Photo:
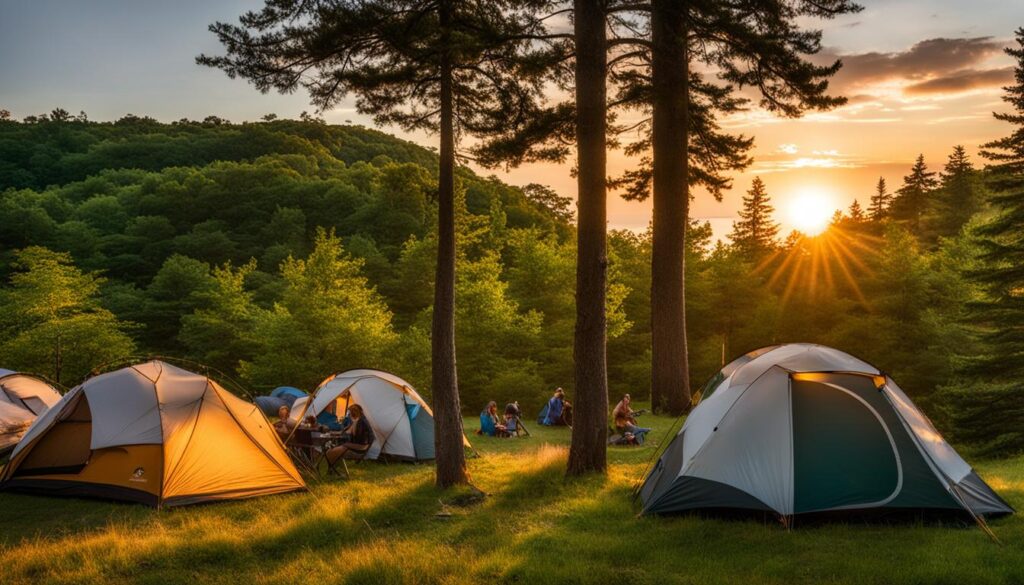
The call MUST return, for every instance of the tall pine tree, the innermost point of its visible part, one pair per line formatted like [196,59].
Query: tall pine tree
[756,233]
[856,212]
[912,199]
[960,195]
[748,44]
[578,63]
[880,202]
[449,67]
[991,413]
[588,451]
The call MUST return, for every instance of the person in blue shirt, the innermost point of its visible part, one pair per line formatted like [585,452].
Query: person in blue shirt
[557,407]
[489,422]
[511,424]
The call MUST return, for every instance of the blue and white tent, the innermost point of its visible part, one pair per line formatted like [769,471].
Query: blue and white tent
[402,422]
[281,396]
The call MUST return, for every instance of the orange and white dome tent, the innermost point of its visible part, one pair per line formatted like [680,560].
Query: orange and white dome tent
[152,433]
[23,397]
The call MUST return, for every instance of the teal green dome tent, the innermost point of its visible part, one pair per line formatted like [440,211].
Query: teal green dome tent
[800,429]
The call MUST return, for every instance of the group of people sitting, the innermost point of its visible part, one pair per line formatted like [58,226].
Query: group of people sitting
[355,433]
[494,426]
[558,412]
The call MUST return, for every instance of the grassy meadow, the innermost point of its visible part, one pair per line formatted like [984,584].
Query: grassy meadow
[388,524]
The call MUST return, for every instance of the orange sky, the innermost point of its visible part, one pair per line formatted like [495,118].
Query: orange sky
[924,97]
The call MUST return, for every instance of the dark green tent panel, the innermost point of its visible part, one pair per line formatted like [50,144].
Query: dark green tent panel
[842,454]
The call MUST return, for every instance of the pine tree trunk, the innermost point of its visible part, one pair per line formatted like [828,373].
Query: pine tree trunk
[590,419]
[670,370]
[448,435]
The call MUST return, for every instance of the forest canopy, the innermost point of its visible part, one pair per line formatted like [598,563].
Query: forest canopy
[281,251]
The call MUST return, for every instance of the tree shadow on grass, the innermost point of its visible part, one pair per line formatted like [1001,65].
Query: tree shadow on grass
[534,526]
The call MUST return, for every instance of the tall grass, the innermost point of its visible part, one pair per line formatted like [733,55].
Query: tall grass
[388,524]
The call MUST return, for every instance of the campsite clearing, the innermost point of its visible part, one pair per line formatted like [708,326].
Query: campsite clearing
[388,524]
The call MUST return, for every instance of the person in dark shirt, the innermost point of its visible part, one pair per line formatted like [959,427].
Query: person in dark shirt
[360,436]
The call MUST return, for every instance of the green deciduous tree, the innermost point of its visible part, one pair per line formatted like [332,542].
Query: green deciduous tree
[450,67]
[329,319]
[173,292]
[51,319]
[221,331]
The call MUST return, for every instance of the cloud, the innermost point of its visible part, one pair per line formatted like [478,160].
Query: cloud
[940,65]
[788,148]
[783,160]
[960,81]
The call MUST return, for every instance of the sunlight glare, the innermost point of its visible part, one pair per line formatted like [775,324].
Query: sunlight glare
[810,212]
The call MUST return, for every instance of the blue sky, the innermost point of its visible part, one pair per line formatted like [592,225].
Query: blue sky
[112,57]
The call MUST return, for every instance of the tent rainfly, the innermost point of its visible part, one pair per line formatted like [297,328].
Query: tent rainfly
[281,396]
[23,397]
[152,433]
[800,429]
[401,421]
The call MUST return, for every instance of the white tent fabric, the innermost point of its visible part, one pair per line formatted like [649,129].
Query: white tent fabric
[762,468]
[942,454]
[28,392]
[22,398]
[13,423]
[390,404]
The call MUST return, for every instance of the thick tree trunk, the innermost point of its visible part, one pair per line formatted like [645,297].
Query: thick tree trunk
[670,370]
[448,442]
[590,417]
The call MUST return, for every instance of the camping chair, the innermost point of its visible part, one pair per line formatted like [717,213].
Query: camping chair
[304,451]
[356,455]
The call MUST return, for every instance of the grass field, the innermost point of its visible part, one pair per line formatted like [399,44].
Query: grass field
[388,524]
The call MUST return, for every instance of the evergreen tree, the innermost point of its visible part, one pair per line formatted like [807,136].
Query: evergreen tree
[756,233]
[912,199]
[51,321]
[992,414]
[960,196]
[856,212]
[446,66]
[760,45]
[880,202]
[588,451]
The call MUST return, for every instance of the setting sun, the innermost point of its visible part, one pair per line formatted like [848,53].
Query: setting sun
[810,212]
